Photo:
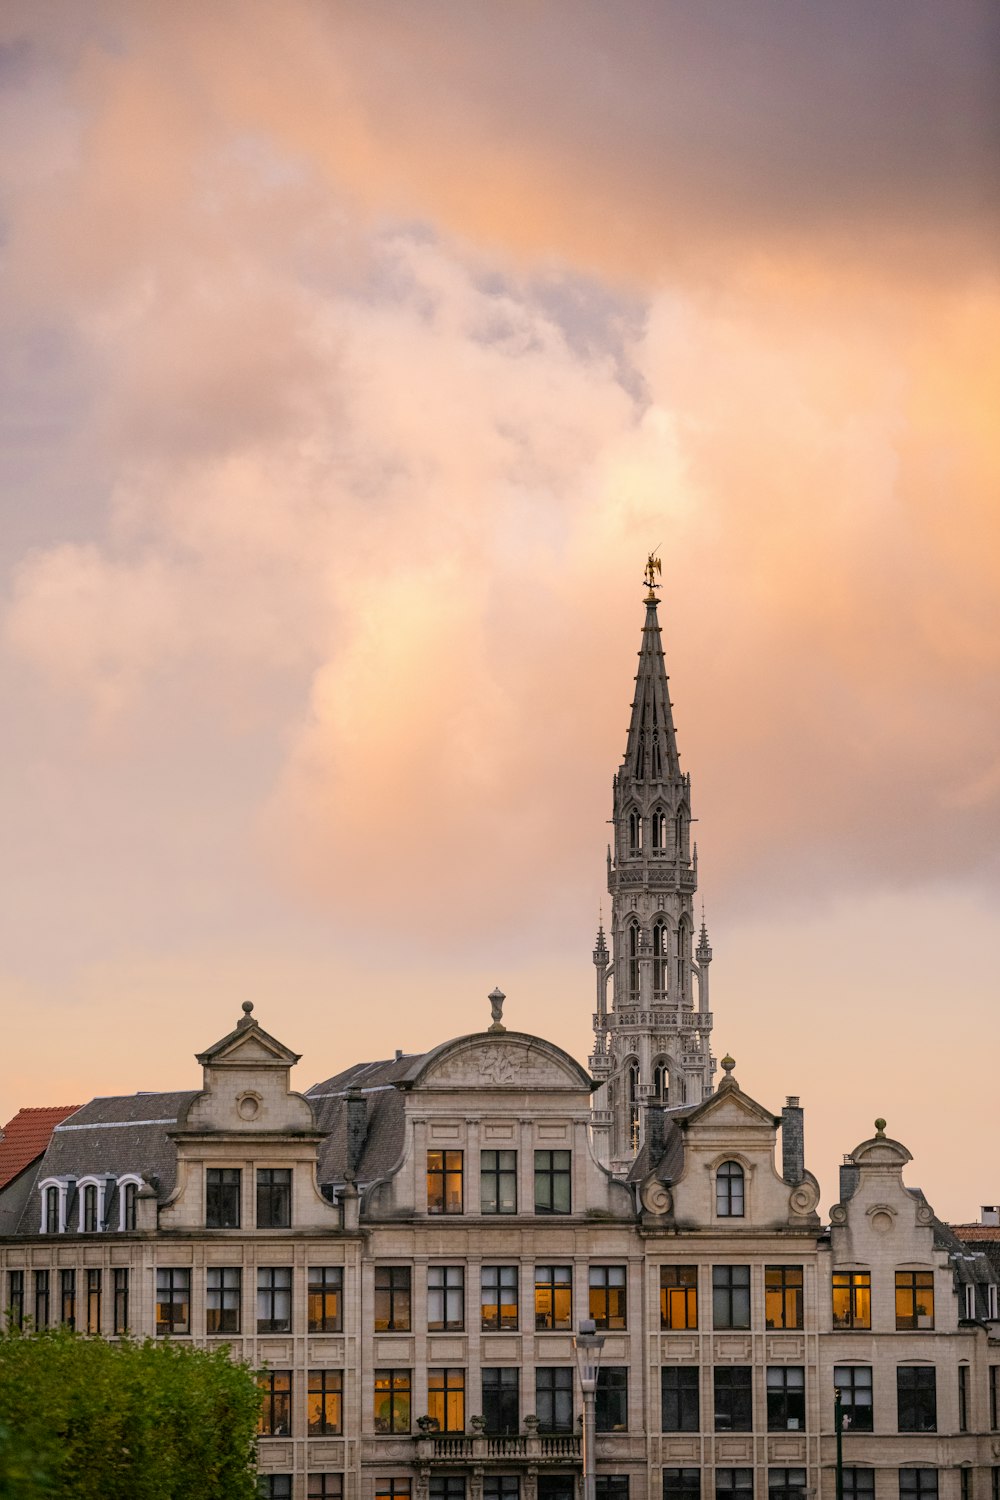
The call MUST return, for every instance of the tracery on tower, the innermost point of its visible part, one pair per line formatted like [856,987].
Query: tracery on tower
[652,1024]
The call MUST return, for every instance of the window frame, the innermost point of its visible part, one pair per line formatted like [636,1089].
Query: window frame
[274,1198]
[446,1390]
[396,1385]
[497,1182]
[730,1189]
[607,1296]
[680,1398]
[853,1388]
[677,1291]
[914,1392]
[398,1294]
[554,1286]
[324,1390]
[120,1292]
[500,1322]
[911,1287]
[732,1398]
[173,1290]
[732,1296]
[223,1197]
[501,1388]
[274,1289]
[277,1400]
[553,1383]
[446,1285]
[785,1390]
[611,1399]
[551,1178]
[784,1294]
[855,1288]
[224,1300]
[445,1169]
[323,1283]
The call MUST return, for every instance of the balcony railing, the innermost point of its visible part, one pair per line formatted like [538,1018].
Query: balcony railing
[529,1447]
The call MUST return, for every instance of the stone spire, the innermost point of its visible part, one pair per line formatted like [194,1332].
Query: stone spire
[652,1040]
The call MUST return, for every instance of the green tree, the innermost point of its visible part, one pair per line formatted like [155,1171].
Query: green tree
[84,1419]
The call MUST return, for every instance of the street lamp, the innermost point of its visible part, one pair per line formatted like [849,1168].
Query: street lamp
[588,1344]
[838,1427]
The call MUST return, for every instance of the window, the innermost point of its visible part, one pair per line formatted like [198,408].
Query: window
[499,1298]
[553,1194]
[786,1397]
[914,1299]
[611,1403]
[994,1395]
[501,1399]
[963,1398]
[611,1486]
[274,1486]
[173,1300]
[501,1487]
[128,1205]
[392,1489]
[729,1190]
[786,1484]
[554,1398]
[446,1399]
[852,1299]
[854,1382]
[734,1484]
[222,1197]
[392,1299]
[67,1298]
[635,831]
[992,1302]
[120,1274]
[274,1299]
[680,1409]
[223,1296]
[445,1299]
[965,1477]
[326,1289]
[556,1487]
[916,1398]
[678,1296]
[553,1297]
[392,1401]
[276,1409]
[50,1205]
[633,961]
[859,1483]
[41,1299]
[274,1197]
[658,830]
[498,1182]
[682,1484]
[733,1398]
[995,1471]
[325,1403]
[447,1487]
[325,1487]
[661,967]
[918,1484]
[15,1298]
[88,1216]
[731,1296]
[93,1276]
[783,1296]
[608,1296]
[444,1182]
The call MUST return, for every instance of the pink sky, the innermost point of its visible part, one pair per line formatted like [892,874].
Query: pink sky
[355,357]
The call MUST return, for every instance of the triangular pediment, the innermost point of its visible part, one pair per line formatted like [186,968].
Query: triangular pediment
[730,1106]
[249,1046]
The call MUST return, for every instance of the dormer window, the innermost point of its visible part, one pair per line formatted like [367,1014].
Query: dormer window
[88,1213]
[129,1196]
[50,1211]
[729,1190]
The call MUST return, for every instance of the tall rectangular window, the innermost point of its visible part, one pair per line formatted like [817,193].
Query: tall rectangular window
[852,1299]
[914,1299]
[679,1297]
[173,1300]
[120,1274]
[859,1482]
[734,1484]
[553,1297]
[916,1398]
[783,1296]
[501,1487]
[680,1406]
[223,1297]
[611,1486]
[325,1487]
[274,1197]
[326,1290]
[682,1484]
[445,1299]
[501,1399]
[274,1487]
[729,1195]
[67,1298]
[854,1382]
[608,1296]
[392,1489]
[611,1401]
[276,1409]
[918,1484]
[786,1397]
[731,1296]
[446,1487]
[128,1205]
[994,1397]
[274,1299]
[222,1197]
[15,1298]
[733,1398]
[392,1299]
[963,1398]
[89,1225]
[499,1298]
[392,1400]
[553,1182]
[326,1403]
[786,1484]
[554,1398]
[446,1399]
[444,1182]
[93,1299]
[498,1182]
[42,1312]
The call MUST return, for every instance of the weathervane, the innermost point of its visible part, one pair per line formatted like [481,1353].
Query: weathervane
[653,567]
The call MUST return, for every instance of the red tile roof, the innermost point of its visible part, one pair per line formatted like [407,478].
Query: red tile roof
[26,1136]
[973,1232]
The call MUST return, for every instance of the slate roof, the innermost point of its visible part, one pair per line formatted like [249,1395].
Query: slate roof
[984,1239]
[376,1081]
[25,1137]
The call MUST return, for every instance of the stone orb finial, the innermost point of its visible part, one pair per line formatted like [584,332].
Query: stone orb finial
[728,1064]
[880,1126]
[245,1019]
[496,999]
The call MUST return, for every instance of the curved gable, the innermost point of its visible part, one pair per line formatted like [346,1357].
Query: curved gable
[506,1060]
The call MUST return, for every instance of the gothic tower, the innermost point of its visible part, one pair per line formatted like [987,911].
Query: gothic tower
[652,1041]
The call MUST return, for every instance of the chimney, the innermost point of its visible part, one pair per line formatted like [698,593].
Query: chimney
[357,1130]
[793,1161]
[990,1214]
[656,1131]
[850,1176]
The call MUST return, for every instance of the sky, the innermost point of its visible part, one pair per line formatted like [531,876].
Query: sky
[355,355]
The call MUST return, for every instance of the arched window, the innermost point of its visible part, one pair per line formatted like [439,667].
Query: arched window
[729,1190]
[661,961]
[658,831]
[633,960]
[635,831]
[633,1105]
[88,1221]
[51,1225]
[661,1082]
[681,957]
[679,833]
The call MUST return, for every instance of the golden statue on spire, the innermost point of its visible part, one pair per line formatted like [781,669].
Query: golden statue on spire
[653,567]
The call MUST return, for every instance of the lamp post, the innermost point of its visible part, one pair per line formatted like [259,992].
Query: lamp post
[588,1344]
[838,1425]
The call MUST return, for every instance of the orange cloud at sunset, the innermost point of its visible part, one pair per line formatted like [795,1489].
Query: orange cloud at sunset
[357,360]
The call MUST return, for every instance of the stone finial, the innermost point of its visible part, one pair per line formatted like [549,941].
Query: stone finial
[728,1064]
[880,1126]
[247,1017]
[496,999]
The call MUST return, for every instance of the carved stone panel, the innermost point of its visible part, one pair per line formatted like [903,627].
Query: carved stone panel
[785,1348]
[733,1346]
[678,1347]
